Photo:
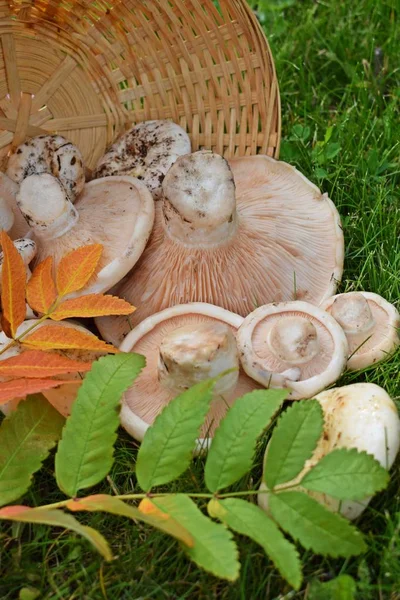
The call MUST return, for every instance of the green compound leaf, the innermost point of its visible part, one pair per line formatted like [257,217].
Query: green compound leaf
[347,474]
[26,438]
[293,442]
[168,445]
[232,449]
[214,549]
[247,519]
[315,527]
[86,451]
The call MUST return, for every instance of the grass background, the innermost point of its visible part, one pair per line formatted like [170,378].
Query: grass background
[338,68]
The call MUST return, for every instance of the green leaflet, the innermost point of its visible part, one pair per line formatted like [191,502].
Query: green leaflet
[293,442]
[347,474]
[57,518]
[232,449]
[214,549]
[85,452]
[26,438]
[314,526]
[247,519]
[341,588]
[114,506]
[168,445]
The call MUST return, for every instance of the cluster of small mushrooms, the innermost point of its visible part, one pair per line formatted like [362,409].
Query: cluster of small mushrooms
[231,265]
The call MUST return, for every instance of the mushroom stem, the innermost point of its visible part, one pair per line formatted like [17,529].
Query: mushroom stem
[353,314]
[193,353]
[199,204]
[294,340]
[43,202]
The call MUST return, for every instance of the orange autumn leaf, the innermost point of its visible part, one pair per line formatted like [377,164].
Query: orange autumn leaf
[5,326]
[40,290]
[13,282]
[76,268]
[147,507]
[92,305]
[19,388]
[55,337]
[34,363]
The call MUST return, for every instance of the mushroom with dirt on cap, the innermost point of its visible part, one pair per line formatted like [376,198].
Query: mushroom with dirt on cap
[52,154]
[361,416]
[276,238]
[147,151]
[371,325]
[117,212]
[293,345]
[183,345]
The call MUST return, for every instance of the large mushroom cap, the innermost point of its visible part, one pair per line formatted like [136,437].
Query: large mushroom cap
[14,222]
[117,212]
[183,345]
[294,345]
[63,397]
[371,325]
[279,240]
[146,151]
[361,416]
[51,154]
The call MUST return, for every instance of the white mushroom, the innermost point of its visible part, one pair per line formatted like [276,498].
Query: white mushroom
[361,416]
[371,325]
[275,238]
[294,345]
[63,397]
[27,249]
[183,345]
[51,154]
[146,151]
[12,219]
[117,212]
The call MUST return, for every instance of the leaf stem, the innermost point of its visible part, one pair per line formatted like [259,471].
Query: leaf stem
[16,340]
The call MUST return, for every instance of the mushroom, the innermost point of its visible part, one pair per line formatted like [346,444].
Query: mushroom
[361,416]
[11,217]
[51,154]
[117,212]
[146,151]
[278,239]
[183,345]
[293,345]
[27,249]
[371,325]
[64,396]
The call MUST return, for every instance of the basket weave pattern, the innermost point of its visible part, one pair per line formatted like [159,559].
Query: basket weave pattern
[89,70]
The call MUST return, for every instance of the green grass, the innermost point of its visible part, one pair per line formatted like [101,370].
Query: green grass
[330,77]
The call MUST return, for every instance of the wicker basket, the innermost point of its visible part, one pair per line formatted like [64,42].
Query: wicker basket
[88,70]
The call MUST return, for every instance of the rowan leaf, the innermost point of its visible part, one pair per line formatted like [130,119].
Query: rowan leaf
[214,548]
[247,519]
[19,388]
[92,305]
[168,445]
[57,337]
[342,587]
[145,513]
[232,449]
[26,438]
[77,267]
[346,474]
[35,363]
[85,453]
[57,518]
[13,283]
[293,441]
[40,290]
[314,526]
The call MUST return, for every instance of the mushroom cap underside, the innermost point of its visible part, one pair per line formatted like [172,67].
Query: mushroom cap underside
[9,191]
[117,212]
[288,245]
[146,398]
